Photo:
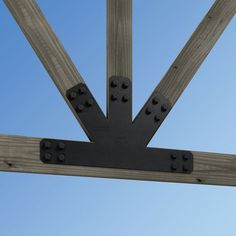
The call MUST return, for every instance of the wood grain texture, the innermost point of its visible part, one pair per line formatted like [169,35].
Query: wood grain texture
[197,48]
[21,154]
[45,43]
[119,38]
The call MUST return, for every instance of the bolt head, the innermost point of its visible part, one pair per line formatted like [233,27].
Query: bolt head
[173,156]
[61,146]
[72,95]
[114,83]
[155,101]
[164,108]
[125,84]
[82,90]
[125,98]
[114,97]
[185,168]
[174,166]
[148,110]
[157,118]
[47,156]
[185,157]
[79,108]
[90,102]
[61,157]
[47,144]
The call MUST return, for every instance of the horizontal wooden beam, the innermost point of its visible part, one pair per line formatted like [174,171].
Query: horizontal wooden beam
[21,154]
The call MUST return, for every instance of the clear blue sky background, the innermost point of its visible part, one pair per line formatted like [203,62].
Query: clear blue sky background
[203,119]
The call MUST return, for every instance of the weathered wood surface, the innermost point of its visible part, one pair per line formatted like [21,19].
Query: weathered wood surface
[119,38]
[197,48]
[21,154]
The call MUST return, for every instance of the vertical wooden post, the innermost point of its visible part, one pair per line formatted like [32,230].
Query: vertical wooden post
[119,40]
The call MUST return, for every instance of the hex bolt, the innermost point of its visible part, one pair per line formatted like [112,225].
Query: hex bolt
[47,144]
[157,118]
[125,98]
[185,168]
[174,166]
[90,102]
[79,108]
[47,156]
[164,108]
[185,157]
[155,101]
[114,83]
[173,156]
[72,95]
[61,157]
[82,90]
[61,146]
[125,84]
[148,110]
[114,97]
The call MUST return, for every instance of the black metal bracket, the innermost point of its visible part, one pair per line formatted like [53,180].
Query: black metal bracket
[117,141]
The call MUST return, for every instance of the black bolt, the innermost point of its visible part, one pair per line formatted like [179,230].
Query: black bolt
[155,100]
[82,90]
[164,108]
[90,102]
[72,95]
[47,156]
[157,118]
[185,157]
[114,97]
[185,168]
[61,146]
[61,157]
[125,98]
[80,108]
[114,83]
[173,156]
[148,110]
[174,166]
[47,144]
[125,84]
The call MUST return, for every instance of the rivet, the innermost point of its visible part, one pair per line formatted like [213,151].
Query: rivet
[72,95]
[164,108]
[125,98]
[79,108]
[90,102]
[61,146]
[157,118]
[61,157]
[114,97]
[174,166]
[47,144]
[82,90]
[155,100]
[47,156]
[148,110]
[125,84]
[114,83]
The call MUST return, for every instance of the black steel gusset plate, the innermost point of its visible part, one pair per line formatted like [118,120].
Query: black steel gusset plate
[63,152]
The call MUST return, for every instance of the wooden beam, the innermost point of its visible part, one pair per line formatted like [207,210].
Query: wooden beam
[21,154]
[48,48]
[196,50]
[119,38]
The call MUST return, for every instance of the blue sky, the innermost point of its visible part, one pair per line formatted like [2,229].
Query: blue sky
[203,119]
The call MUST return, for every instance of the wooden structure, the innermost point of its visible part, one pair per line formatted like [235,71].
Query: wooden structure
[22,154]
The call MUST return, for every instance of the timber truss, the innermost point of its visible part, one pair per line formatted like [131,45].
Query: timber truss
[118,144]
